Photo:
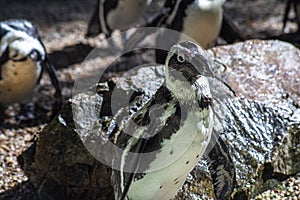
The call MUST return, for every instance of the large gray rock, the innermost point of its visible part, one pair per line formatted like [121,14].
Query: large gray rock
[261,127]
[264,140]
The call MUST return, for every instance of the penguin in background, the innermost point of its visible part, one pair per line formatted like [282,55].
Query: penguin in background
[156,152]
[23,59]
[295,4]
[110,15]
[201,20]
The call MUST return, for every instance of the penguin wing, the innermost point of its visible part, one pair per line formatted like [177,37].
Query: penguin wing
[221,168]
[132,142]
[46,64]
[95,26]
[126,164]
[286,13]
[139,137]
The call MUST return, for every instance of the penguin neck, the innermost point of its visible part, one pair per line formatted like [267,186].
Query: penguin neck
[180,89]
[192,94]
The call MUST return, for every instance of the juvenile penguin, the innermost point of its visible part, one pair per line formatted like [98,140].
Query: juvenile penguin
[162,144]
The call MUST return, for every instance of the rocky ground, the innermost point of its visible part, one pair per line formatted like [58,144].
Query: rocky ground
[64,24]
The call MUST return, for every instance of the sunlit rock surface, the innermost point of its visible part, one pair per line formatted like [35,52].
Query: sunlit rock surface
[260,126]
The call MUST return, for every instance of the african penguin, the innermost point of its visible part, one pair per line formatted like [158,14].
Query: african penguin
[22,60]
[163,141]
[110,15]
[201,20]
[296,6]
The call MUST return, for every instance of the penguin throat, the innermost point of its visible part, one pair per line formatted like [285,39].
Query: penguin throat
[180,89]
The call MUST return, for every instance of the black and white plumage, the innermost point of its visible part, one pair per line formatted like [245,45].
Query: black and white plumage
[22,60]
[163,141]
[295,4]
[200,20]
[221,168]
[110,15]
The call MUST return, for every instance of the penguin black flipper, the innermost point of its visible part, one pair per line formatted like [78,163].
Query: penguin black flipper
[122,178]
[286,13]
[139,120]
[98,21]
[94,27]
[136,160]
[230,32]
[221,168]
[46,64]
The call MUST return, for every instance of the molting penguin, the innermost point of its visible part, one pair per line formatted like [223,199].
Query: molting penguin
[110,15]
[163,141]
[22,60]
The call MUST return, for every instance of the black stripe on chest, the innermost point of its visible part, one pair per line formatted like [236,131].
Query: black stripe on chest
[163,103]
[170,125]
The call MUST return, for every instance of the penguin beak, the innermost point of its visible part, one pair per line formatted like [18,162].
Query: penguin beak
[201,87]
[202,65]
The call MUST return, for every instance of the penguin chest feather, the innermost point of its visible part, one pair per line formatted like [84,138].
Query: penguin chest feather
[126,14]
[18,80]
[178,155]
[203,25]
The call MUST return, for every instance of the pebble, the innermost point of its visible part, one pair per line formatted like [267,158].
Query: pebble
[12,144]
[287,190]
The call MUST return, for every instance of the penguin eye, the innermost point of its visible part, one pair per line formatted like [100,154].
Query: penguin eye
[180,57]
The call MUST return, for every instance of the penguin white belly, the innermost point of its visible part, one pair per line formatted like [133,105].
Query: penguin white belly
[19,81]
[126,14]
[176,159]
[203,25]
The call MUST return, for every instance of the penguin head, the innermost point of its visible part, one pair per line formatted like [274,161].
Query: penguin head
[18,44]
[190,60]
[22,49]
[187,68]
